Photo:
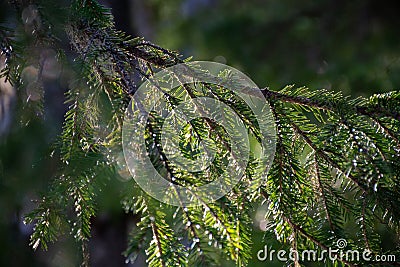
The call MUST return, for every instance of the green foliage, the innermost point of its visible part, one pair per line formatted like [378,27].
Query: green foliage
[336,167]
[347,46]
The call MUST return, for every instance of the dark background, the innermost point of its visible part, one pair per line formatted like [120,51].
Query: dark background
[348,46]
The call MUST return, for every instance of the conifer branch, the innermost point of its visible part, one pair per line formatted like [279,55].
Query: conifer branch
[323,194]
[357,138]
[372,111]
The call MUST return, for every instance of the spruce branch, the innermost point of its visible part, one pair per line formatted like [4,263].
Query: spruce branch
[351,148]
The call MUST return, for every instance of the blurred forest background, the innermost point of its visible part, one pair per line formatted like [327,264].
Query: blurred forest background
[348,46]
